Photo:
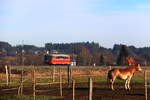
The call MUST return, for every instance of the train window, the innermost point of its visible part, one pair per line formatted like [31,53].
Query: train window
[61,57]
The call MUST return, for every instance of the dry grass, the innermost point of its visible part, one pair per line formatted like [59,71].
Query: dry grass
[46,71]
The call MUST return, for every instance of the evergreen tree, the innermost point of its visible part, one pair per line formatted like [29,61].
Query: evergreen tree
[124,53]
[79,60]
[101,60]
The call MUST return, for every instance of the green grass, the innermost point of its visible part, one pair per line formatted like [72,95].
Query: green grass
[29,97]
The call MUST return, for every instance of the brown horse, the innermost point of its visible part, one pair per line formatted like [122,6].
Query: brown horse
[124,74]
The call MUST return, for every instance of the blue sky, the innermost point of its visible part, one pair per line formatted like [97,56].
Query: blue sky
[107,22]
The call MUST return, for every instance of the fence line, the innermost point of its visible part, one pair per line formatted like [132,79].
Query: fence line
[34,83]
[8,71]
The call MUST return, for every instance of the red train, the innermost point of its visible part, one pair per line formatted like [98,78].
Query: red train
[57,59]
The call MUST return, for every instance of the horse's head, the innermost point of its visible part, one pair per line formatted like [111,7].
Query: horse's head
[138,67]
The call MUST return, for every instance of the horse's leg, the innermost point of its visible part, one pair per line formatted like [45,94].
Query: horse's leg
[112,83]
[129,83]
[126,83]
[109,82]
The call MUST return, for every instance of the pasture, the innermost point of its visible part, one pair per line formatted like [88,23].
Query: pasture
[48,84]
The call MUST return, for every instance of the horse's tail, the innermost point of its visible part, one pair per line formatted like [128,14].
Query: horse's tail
[109,77]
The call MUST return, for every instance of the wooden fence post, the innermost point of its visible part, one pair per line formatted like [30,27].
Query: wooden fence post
[6,70]
[60,83]
[9,75]
[69,70]
[21,85]
[33,77]
[145,77]
[90,88]
[73,89]
[53,73]
[20,89]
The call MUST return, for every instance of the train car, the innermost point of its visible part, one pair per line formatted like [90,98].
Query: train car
[57,59]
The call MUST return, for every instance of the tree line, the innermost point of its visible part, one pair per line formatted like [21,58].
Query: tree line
[84,53]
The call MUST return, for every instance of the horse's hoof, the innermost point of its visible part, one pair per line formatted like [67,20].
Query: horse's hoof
[128,89]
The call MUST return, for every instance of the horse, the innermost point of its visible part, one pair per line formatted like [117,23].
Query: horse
[123,74]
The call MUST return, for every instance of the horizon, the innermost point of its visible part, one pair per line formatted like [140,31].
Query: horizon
[73,42]
[106,22]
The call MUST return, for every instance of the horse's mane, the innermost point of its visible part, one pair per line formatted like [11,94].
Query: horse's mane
[132,62]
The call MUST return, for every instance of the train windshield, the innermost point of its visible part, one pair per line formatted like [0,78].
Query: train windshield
[62,57]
